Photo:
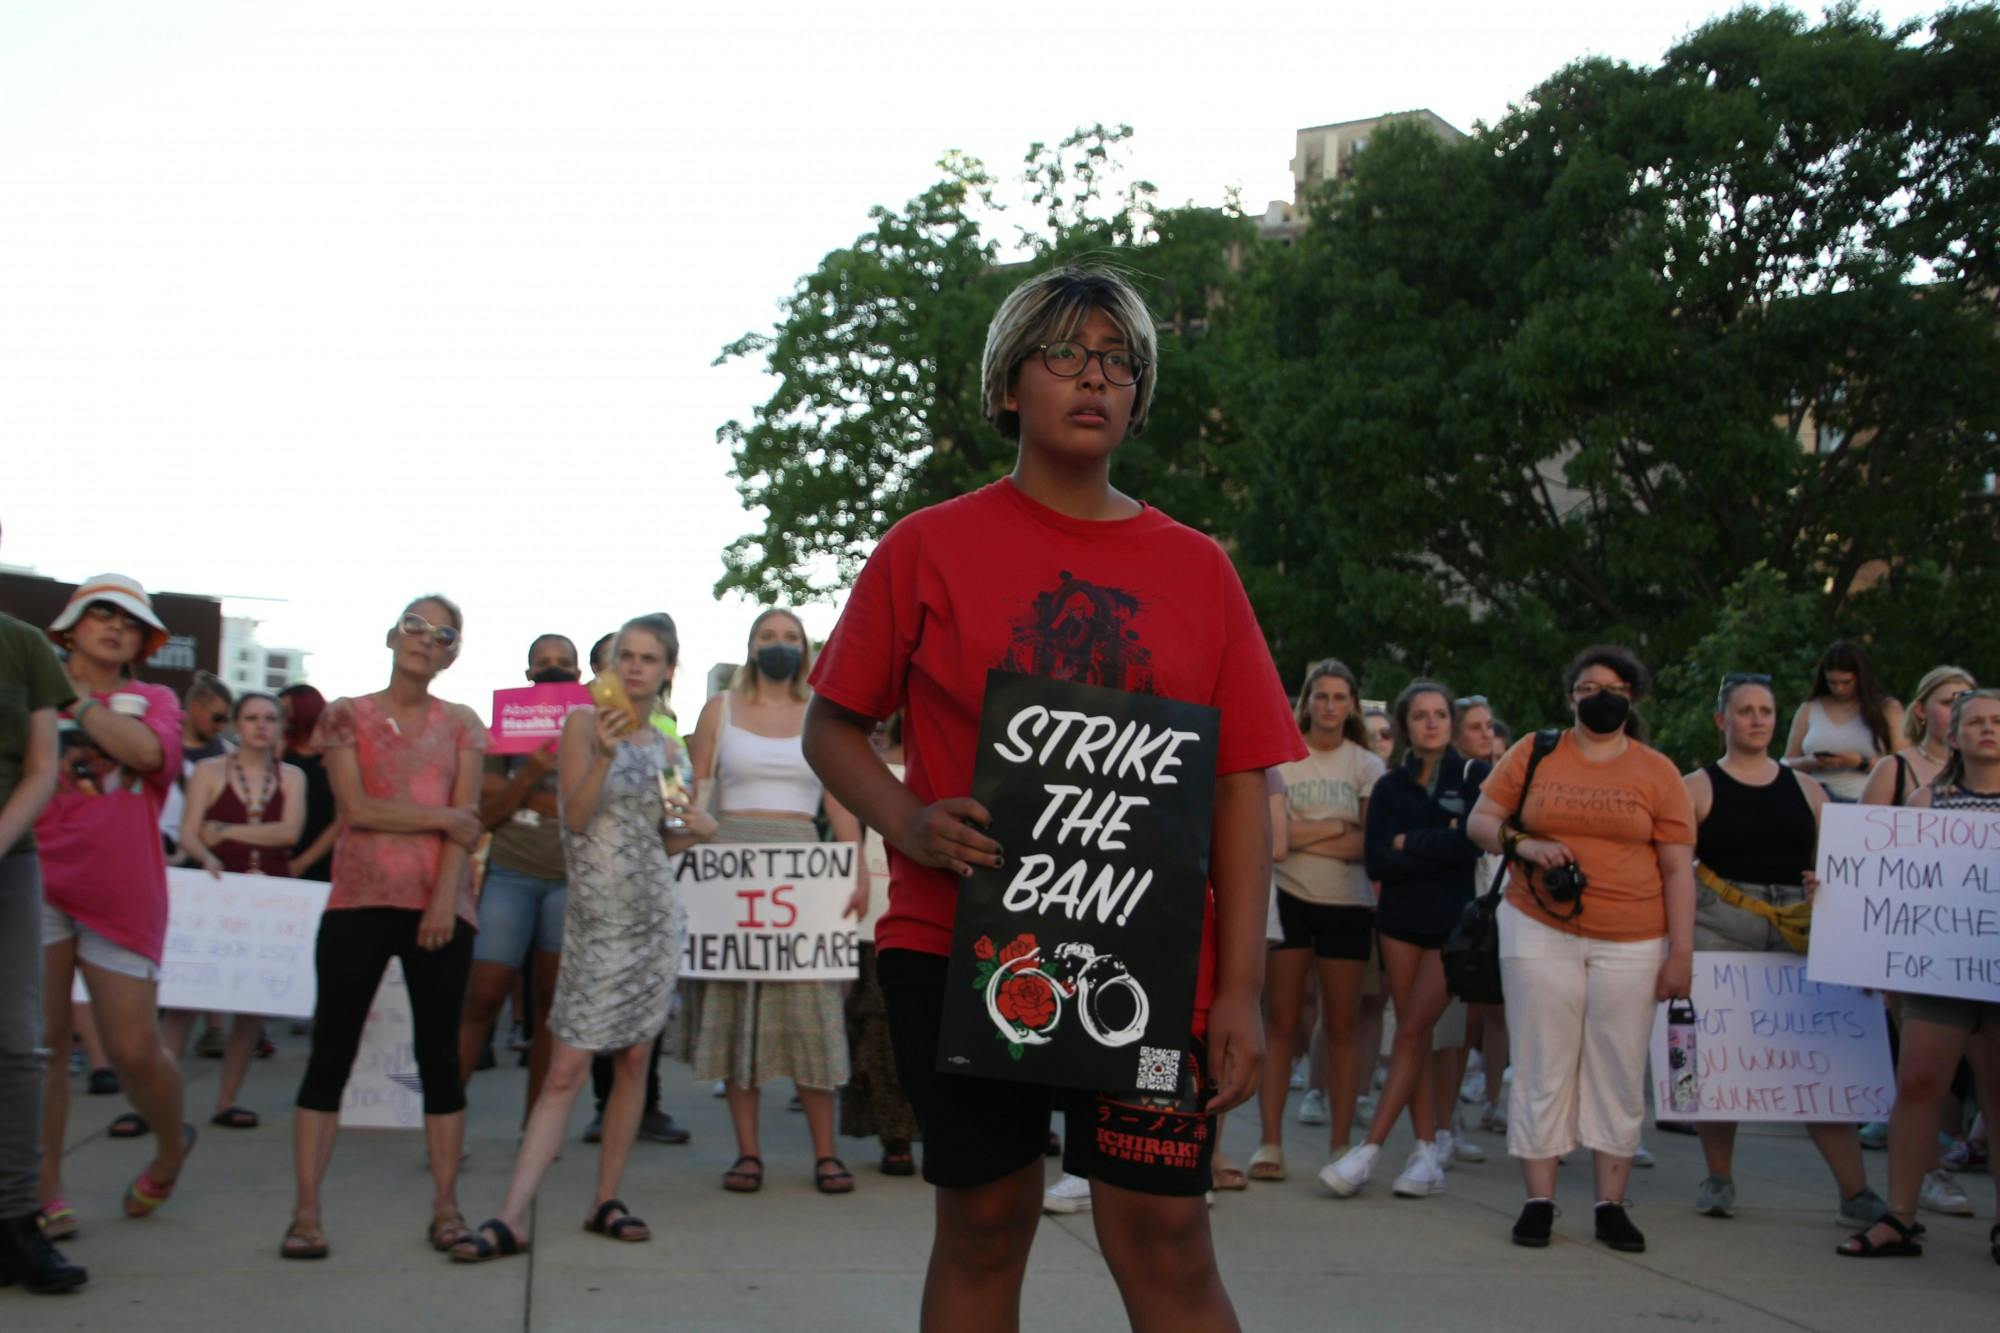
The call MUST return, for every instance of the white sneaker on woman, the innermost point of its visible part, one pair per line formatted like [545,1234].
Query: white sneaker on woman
[1422,1176]
[1941,1194]
[1312,1108]
[1351,1171]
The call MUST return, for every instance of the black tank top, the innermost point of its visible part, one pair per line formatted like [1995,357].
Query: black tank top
[1757,835]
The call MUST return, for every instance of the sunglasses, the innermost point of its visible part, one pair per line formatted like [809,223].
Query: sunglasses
[105,612]
[414,625]
[1736,678]
[1470,701]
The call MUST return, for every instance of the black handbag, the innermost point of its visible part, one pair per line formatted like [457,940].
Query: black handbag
[1471,955]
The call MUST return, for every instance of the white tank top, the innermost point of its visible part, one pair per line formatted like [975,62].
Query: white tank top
[764,773]
[1825,736]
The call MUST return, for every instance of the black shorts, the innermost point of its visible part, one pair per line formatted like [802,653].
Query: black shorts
[1331,931]
[979,1130]
[1422,939]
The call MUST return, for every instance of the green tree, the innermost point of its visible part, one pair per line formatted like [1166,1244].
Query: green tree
[1551,384]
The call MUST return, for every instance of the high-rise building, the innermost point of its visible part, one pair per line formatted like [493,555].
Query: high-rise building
[249,665]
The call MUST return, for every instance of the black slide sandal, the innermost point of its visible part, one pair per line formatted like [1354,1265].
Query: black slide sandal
[476,1249]
[603,1224]
[1903,1247]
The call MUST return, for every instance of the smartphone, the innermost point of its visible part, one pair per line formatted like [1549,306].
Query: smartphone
[607,691]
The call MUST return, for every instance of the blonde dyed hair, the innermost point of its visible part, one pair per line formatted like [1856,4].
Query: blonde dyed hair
[1051,307]
[747,676]
[1914,725]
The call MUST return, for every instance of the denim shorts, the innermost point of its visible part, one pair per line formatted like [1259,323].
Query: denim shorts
[93,948]
[517,914]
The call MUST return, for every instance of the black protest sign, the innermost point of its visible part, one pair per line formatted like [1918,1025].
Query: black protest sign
[1074,963]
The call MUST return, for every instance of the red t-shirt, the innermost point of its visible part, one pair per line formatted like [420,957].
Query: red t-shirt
[996,580]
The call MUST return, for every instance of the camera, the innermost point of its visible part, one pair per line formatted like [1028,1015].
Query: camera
[1564,883]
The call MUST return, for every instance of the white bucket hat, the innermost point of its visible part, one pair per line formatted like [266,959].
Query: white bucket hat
[120,591]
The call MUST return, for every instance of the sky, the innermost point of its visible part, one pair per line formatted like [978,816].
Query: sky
[322,307]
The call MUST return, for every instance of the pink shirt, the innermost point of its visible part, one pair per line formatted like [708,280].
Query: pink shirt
[375,869]
[99,837]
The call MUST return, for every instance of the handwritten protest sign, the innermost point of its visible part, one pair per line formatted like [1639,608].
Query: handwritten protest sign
[769,913]
[241,944]
[1773,1044]
[526,719]
[1909,900]
[383,1090]
[1074,963]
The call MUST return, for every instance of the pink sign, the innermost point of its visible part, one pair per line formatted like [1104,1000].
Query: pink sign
[526,719]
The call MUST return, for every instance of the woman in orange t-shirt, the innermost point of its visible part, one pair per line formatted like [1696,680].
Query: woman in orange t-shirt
[1597,926]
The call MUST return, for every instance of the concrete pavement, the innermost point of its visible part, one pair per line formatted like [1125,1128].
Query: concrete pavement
[789,1258]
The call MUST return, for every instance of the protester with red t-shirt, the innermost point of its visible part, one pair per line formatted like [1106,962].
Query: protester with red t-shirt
[1051,572]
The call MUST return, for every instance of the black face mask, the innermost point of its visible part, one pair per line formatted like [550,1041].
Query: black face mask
[554,676]
[778,660]
[1604,712]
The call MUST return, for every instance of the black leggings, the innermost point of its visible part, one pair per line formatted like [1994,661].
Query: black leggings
[354,948]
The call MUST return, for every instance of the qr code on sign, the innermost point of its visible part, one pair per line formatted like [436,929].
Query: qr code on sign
[1159,1070]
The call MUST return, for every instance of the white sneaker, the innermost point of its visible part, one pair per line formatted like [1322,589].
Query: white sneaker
[1463,1149]
[1443,1148]
[1473,1089]
[1071,1194]
[1941,1194]
[1642,1159]
[1312,1108]
[1351,1171]
[1422,1176]
[1298,1074]
[1364,1111]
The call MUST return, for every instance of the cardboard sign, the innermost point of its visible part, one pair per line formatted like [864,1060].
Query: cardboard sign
[1772,1044]
[383,1090]
[526,719]
[768,912]
[241,944]
[1074,963]
[1909,900]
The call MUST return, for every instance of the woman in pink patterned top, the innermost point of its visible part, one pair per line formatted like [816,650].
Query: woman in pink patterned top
[405,772]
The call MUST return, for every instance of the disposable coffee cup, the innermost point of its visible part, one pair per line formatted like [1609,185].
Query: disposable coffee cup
[130,705]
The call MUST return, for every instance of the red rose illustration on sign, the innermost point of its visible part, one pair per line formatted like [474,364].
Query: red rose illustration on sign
[982,948]
[1028,1001]
[1022,946]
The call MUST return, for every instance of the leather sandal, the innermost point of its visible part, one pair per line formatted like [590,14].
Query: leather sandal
[837,1181]
[476,1249]
[739,1181]
[621,1227]
[235,1117]
[1859,1246]
[1226,1175]
[131,1125]
[447,1230]
[303,1240]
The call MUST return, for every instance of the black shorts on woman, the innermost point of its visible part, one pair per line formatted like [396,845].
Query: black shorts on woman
[979,1130]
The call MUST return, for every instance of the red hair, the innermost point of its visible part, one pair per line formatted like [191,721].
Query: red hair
[307,704]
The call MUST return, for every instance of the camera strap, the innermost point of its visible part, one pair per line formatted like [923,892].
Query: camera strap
[1545,744]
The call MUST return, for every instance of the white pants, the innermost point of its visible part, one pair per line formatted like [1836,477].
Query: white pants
[1579,1017]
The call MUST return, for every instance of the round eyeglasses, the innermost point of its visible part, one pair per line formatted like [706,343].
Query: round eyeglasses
[1070,359]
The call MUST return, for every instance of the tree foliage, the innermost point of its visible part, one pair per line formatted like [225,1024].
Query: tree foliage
[1699,357]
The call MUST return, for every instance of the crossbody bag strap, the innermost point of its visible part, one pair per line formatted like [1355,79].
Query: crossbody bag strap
[1545,743]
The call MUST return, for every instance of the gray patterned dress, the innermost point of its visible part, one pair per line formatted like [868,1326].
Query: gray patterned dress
[624,924]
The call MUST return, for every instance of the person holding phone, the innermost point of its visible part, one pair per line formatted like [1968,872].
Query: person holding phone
[405,769]
[624,924]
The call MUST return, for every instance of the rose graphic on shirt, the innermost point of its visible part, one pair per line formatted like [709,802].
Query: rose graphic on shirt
[1082,631]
